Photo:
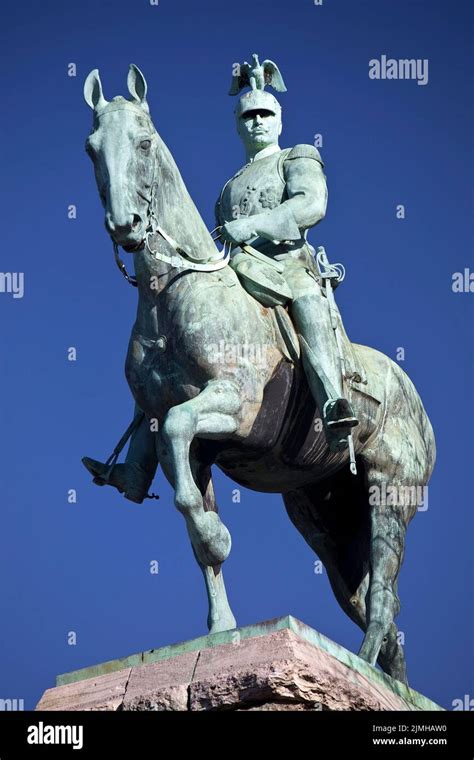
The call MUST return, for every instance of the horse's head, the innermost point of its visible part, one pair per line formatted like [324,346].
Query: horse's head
[122,147]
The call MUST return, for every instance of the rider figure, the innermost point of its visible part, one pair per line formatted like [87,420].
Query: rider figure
[269,204]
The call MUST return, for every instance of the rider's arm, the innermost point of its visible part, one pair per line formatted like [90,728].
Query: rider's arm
[305,186]
[307,198]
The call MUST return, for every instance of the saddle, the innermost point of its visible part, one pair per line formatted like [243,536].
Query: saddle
[262,278]
[352,367]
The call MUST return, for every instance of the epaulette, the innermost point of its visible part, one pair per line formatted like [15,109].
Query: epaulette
[305,151]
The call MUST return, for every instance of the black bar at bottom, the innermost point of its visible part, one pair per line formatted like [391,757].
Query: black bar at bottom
[221,733]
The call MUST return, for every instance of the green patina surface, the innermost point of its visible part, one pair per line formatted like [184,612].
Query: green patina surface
[413,698]
[340,406]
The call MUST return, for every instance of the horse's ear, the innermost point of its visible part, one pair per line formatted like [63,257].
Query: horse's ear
[137,85]
[93,94]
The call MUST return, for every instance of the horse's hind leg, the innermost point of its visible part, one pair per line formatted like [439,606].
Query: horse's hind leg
[349,582]
[392,657]
[388,523]
[398,463]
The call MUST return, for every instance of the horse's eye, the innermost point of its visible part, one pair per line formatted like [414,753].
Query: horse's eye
[145,144]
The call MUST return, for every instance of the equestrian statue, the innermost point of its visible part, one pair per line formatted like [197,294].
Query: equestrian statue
[239,358]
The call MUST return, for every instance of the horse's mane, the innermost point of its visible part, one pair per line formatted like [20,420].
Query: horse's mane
[175,209]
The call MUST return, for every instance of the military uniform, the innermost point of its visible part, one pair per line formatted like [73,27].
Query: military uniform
[284,193]
[279,189]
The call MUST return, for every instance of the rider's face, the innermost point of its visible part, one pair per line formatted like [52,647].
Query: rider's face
[259,128]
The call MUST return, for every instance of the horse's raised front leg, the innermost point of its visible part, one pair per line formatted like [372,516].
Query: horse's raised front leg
[212,414]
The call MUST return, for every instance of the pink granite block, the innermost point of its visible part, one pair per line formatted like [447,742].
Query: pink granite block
[281,671]
[101,693]
[161,685]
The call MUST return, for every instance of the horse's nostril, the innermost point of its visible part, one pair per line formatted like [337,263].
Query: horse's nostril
[136,221]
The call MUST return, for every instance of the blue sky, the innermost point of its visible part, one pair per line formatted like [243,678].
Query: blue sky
[84,567]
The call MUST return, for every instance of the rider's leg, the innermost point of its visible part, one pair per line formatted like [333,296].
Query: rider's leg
[133,478]
[142,449]
[310,314]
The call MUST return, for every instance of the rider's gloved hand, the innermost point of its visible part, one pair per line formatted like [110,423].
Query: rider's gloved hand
[238,230]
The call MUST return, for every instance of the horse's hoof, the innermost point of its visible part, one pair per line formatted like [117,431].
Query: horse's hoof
[212,541]
[227,623]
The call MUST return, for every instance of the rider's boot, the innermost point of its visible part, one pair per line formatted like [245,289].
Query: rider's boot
[133,478]
[129,478]
[322,367]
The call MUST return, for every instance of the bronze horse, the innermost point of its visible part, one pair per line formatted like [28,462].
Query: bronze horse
[254,419]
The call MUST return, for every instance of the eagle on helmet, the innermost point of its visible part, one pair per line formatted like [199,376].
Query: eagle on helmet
[257,76]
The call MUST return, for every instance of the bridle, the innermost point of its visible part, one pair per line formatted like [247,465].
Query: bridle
[182,259]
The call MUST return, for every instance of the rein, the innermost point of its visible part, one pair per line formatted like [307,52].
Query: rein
[182,259]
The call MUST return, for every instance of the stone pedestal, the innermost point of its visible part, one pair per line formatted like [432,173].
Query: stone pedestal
[281,664]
